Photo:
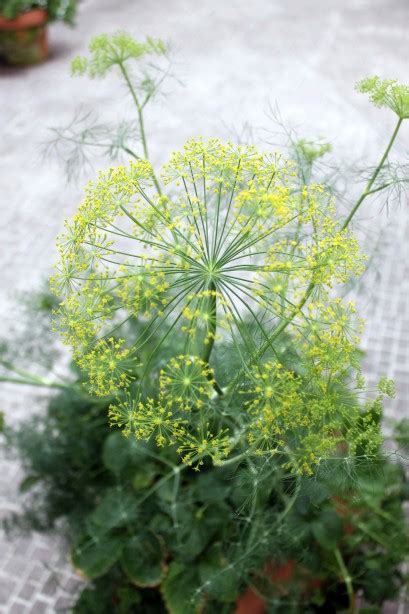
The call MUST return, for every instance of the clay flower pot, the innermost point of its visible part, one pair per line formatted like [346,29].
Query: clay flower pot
[281,575]
[23,40]
[250,603]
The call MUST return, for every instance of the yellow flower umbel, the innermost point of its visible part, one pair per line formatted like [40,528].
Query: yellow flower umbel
[387,93]
[233,255]
[109,366]
[188,380]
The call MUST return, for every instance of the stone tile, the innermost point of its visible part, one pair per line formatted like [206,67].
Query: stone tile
[37,571]
[27,591]
[64,604]
[42,554]
[51,586]
[7,587]
[18,608]
[40,607]
[17,565]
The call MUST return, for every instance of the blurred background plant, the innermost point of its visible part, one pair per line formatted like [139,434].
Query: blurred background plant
[23,28]
[63,10]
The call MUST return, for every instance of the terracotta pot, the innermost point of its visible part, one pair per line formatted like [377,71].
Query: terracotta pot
[250,603]
[23,40]
[280,574]
[283,573]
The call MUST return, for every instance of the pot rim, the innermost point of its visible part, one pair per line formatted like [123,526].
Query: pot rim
[31,19]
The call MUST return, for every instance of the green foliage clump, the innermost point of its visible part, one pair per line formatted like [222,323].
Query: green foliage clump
[154,536]
[63,10]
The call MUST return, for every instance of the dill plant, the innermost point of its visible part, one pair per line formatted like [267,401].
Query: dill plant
[226,255]
[143,68]
[201,305]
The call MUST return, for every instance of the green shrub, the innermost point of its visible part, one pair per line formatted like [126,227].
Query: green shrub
[150,539]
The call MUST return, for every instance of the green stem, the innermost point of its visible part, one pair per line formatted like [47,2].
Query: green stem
[233,459]
[34,382]
[347,579]
[367,190]
[139,109]
[212,333]
[212,323]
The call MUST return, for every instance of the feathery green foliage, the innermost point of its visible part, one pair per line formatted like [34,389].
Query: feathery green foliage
[133,63]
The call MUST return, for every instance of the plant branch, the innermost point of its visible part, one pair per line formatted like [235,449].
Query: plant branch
[347,579]
[34,381]
[367,191]
[139,108]
[212,333]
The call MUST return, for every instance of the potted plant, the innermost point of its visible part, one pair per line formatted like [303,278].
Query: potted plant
[246,449]
[23,28]
[344,538]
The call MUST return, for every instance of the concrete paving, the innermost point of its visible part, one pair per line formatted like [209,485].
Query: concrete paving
[233,59]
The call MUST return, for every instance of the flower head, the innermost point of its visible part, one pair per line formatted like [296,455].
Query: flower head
[231,239]
[387,93]
[188,380]
[109,365]
[233,253]
[107,51]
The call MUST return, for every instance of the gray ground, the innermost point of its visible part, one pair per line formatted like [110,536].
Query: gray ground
[233,59]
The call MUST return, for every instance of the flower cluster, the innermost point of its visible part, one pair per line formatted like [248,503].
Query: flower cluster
[108,51]
[188,380]
[311,410]
[109,366]
[151,419]
[179,415]
[387,93]
[233,255]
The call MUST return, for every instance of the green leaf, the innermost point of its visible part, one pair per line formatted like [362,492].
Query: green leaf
[198,525]
[328,529]
[94,557]
[212,486]
[118,452]
[143,560]
[222,579]
[144,476]
[28,483]
[166,491]
[117,509]
[181,589]
[161,523]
